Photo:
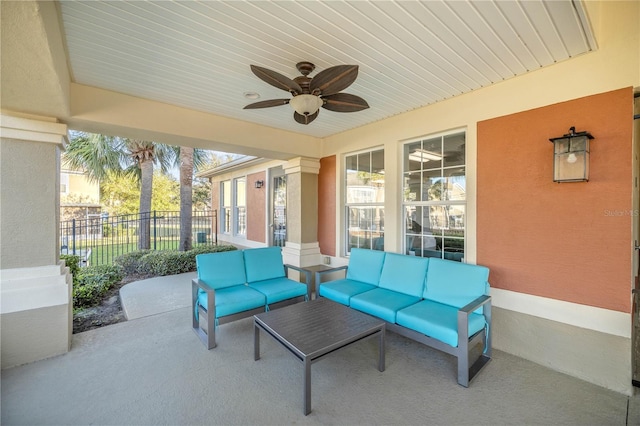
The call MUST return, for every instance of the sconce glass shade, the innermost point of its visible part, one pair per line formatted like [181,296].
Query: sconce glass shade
[571,157]
[305,104]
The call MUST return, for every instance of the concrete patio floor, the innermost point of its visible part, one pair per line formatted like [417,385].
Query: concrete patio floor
[152,369]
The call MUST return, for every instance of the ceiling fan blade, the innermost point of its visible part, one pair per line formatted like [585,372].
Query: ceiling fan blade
[276,79]
[334,79]
[268,103]
[305,119]
[344,102]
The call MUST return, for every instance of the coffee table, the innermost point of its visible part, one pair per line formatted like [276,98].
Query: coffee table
[317,328]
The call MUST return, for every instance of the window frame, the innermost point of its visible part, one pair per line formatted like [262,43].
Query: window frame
[239,215]
[441,239]
[378,206]
[225,208]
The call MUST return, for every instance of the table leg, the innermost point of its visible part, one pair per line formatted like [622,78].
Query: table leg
[307,281]
[307,386]
[256,341]
[381,363]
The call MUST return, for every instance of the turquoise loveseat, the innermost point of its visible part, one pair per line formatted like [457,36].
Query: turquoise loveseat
[441,303]
[238,284]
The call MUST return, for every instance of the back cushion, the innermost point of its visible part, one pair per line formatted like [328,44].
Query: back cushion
[220,270]
[365,265]
[263,263]
[455,283]
[405,274]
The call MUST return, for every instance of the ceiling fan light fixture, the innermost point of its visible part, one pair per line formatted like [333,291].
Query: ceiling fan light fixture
[305,104]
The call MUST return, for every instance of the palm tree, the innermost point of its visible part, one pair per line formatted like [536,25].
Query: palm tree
[190,159]
[99,154]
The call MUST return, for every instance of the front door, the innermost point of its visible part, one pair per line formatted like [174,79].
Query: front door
[278,223]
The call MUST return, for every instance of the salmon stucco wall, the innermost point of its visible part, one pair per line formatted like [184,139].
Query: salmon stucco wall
[256,213]
[327,206]
[215,205]
[564,241]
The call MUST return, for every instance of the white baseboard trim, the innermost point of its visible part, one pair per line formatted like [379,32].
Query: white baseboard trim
[589,317]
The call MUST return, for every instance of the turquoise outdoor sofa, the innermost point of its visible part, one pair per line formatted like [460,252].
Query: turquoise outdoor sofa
[237,284]
[441,303]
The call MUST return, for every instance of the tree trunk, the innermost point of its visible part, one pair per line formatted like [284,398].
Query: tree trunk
[186,197]
[146,184]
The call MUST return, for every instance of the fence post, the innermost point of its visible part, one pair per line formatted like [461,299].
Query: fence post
[154,230]
[73,234]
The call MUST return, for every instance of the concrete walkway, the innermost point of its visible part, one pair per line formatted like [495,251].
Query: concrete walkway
[153,370]
[156,295]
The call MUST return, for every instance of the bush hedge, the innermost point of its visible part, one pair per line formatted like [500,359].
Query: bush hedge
[90,284]
[166,262]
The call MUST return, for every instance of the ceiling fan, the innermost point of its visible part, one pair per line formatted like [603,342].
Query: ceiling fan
[311,93]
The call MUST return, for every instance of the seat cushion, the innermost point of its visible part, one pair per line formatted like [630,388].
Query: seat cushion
[404,274]
[382,303]
[455,283]
[263,263]
[365,265]
[341,291]
[279,289]
[437,320]
[231,300]
[220,270]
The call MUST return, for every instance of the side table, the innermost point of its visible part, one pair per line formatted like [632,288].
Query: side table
[318,270]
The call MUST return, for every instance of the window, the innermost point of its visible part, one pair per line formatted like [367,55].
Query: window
[364,200]
[225,207]
[239,206]
[434,196]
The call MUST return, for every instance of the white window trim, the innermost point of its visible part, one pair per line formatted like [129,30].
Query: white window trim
[404,203]
[345,204]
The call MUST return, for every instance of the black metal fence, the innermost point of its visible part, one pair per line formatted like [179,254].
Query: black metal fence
[100,239]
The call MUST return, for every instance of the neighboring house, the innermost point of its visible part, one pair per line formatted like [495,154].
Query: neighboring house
[79,196]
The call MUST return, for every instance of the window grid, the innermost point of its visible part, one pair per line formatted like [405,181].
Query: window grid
[364,200]
[240,210]
[434,194]
[225,207]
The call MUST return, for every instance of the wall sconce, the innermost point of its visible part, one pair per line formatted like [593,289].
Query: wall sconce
[571,156]
[259,184]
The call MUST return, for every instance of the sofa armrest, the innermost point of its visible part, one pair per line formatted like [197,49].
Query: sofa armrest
[307,276]
[209,338]
[483,301]
[475,304]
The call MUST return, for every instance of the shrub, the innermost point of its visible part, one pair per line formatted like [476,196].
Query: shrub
[160,263]
[73,263]
[92,284]
[129,261]
[166,262]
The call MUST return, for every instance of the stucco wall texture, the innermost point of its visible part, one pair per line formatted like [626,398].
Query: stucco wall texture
[327,206]
[256,213]
[565,241]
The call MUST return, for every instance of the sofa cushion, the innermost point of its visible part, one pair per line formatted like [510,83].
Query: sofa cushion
[231,300]
[455,283]
[404,274]
[263,263]
[382,303]
[438,321]
[341,291]
[365,265]
[279,289]
[220,270]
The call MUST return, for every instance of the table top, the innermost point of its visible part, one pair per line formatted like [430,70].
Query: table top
[313,328]
[319,268]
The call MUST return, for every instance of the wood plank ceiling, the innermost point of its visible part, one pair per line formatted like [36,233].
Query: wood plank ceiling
[410,53]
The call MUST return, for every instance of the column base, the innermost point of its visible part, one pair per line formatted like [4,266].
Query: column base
[36,314]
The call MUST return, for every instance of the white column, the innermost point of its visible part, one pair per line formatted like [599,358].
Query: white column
[35,287]
[302,247]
